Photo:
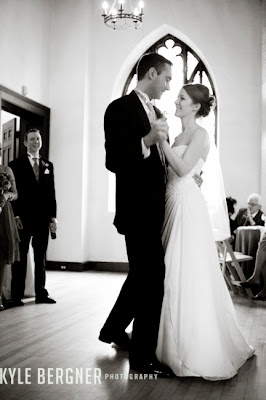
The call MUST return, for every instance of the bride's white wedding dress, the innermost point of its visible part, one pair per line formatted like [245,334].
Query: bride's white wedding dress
[199,334]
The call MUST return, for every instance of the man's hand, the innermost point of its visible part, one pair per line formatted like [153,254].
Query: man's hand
[158,133]
[53,225]
[198,179]
[19,223]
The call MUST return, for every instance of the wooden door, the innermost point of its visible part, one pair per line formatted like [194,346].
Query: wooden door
[8,141]
[32,115]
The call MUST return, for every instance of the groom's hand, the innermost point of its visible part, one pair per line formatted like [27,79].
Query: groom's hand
[198,179]
[158,133]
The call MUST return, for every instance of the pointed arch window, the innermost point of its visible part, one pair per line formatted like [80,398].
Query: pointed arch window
[187,68]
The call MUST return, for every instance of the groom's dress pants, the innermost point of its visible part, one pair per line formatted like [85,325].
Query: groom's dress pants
[142,293]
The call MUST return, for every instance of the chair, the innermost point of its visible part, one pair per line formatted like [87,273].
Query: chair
[232,271]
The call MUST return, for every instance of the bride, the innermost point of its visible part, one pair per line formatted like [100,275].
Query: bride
[199,334]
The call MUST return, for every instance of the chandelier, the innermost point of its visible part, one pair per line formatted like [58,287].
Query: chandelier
[117,18]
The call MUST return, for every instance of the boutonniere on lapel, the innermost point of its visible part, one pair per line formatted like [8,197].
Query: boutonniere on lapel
[46,171]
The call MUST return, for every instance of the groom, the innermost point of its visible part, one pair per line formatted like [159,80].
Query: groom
[133,129]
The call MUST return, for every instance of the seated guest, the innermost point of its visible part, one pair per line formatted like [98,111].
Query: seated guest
[231,203]
[257,282]
[252,215]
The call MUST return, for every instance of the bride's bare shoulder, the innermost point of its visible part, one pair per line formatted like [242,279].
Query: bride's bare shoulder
[201,133]
[200,130]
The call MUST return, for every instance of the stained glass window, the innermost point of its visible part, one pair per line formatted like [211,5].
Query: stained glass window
[187,68]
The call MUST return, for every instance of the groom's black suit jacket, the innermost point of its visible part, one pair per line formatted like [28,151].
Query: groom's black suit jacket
[36,203]
[140,183]
[140,200]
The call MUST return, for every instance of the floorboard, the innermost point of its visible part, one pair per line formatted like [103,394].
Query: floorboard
[59,345]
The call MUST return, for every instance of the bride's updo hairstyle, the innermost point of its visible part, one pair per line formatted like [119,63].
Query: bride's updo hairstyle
[200,95]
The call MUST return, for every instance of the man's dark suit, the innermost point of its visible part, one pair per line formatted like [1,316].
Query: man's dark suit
[36,205]
[243,220]
[140,204]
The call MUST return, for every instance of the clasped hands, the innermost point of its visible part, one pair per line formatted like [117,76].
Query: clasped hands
[158,134]
[249,216]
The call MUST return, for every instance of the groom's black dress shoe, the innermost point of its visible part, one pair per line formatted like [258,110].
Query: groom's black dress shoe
[122,340]
[45,299]
[155,368]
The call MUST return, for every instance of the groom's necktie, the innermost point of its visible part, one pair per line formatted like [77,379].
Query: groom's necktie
[152,113]
[152,119]
[36,168]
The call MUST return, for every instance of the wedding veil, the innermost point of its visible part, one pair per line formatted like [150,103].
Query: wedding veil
[214,193]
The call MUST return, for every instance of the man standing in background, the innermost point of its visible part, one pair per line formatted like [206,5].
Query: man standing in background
[35,213]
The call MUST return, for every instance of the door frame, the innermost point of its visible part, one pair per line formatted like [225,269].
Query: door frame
[17,104]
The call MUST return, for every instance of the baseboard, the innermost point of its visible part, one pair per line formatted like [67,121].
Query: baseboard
[66,266]
[89,265]
[109,266]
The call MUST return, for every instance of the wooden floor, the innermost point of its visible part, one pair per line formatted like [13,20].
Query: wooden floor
[64,338]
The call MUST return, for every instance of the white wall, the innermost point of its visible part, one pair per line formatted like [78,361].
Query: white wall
[72,63]
[70,116]
[25,46]
[263,107]
[45,45]
[228,36]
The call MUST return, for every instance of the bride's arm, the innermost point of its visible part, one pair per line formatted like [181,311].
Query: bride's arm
[183,165]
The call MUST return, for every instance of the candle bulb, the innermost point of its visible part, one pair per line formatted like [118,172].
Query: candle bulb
[121,2]
[141,6]
[105,8]
[114,12]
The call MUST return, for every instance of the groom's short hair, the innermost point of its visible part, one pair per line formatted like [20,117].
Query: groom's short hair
[150,60]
